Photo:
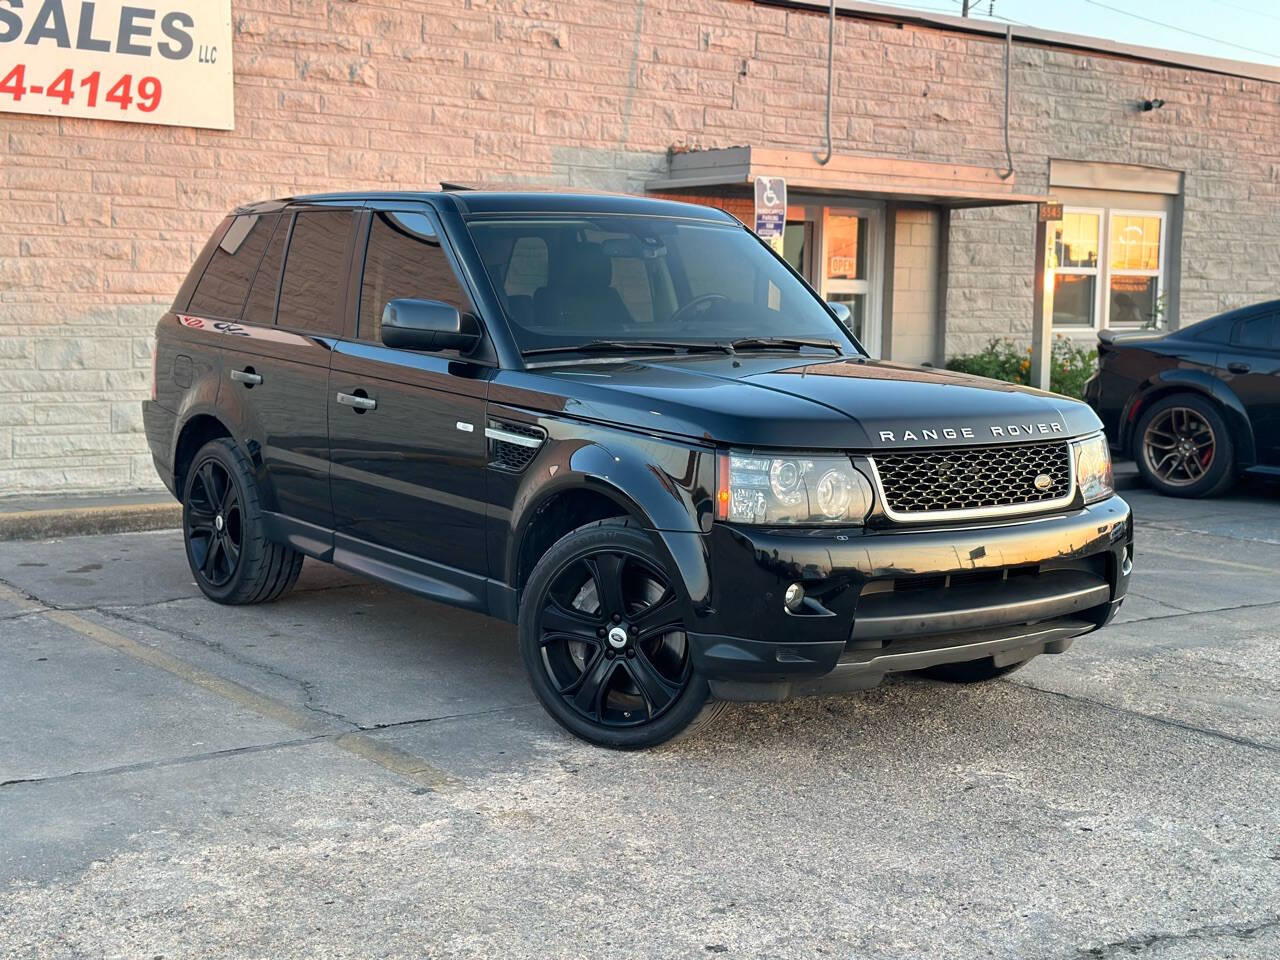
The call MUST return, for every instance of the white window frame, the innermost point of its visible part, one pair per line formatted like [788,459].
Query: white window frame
[1098,272]
[1158,273]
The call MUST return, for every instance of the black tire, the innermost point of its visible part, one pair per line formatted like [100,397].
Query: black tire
[593,681]
[1183,447]
[971,671]
[230,557]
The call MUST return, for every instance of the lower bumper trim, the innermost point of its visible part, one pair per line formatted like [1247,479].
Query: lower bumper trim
[859,669]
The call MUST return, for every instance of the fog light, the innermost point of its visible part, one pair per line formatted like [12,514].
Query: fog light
[794,597]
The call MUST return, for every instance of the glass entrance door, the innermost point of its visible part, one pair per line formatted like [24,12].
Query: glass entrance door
[846,271]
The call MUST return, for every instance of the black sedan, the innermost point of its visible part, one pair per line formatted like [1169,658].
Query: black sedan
[1196,407]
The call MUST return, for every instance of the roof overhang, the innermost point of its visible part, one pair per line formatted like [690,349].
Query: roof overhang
[951,185]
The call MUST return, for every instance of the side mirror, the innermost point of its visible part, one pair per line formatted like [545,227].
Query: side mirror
[427,325]
[841,310]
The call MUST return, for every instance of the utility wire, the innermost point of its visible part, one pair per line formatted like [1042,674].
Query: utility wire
[1241,6]
[1190,33]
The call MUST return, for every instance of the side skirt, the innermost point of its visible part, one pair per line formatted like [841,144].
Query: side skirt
[436,581]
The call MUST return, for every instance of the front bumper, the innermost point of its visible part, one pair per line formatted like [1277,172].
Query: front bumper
[882,601]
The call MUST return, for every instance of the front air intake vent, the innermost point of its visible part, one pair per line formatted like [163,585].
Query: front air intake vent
[512,446]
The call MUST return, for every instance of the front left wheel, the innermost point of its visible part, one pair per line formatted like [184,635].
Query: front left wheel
[603,637]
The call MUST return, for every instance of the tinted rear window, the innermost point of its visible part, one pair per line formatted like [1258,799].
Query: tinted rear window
[315,273]
[1258,333]
[261,305]
[225,284]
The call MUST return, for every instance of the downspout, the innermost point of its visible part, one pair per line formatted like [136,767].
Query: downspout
[1008,50]
[831,45]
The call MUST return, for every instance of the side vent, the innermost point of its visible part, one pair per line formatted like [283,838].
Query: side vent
[512,446]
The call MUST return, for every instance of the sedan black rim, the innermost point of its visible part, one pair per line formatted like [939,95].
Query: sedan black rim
[214,523]
[1179,446]
[612,639]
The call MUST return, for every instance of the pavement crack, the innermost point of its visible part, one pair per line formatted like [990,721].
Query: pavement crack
[1144,942]
[168,761]
[1198,613]
[307,687]
[394,725]
[1164,721]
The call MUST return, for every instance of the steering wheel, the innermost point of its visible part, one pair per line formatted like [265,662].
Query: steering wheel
[698,307]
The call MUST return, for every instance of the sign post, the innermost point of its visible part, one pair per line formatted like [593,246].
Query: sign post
[168,62]
[771,210]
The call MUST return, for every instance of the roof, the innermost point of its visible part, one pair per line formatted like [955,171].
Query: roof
[496,202]
[951,185]
[1049,38]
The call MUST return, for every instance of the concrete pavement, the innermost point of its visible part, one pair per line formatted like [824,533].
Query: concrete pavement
[354,772]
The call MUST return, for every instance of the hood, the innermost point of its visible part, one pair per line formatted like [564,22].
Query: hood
[769,401]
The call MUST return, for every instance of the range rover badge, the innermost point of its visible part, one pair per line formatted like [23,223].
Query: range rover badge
[1043,482]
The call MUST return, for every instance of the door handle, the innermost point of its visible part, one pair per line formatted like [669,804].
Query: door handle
[1236,366]
[246,376]
[359,402]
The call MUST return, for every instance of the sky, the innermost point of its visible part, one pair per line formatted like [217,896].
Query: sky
[1233,29]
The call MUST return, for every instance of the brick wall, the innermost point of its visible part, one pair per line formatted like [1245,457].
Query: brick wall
[99,221]
[915,286]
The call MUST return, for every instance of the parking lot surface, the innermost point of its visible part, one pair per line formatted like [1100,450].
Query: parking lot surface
[355,772]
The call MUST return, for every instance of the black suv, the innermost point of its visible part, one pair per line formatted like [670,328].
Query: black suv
[630,428]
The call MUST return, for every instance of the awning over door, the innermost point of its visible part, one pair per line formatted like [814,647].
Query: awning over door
[951,185]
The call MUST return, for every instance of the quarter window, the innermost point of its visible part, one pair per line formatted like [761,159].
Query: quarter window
[404,259]
[1256,333]
[225,283]
[315,273]
[261,305]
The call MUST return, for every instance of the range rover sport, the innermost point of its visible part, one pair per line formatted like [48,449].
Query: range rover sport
[628,427]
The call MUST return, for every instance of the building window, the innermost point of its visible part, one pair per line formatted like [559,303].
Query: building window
[1104,268]
[1072,256]
[1135,258]
[845,273]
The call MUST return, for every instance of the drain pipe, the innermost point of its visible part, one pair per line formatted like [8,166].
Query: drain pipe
[1008,50]
[831,45]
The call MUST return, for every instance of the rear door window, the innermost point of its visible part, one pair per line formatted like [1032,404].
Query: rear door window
[1256,333]
[315,272]
[404,259]
[222,289]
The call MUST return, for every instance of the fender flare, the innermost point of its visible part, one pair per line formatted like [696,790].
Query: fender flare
[1203,384]
[628,478]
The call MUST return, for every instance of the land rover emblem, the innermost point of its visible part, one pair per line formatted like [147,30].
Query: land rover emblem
[1043,481]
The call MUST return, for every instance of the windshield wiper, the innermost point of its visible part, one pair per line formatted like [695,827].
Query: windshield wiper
[796,343]
[631,346]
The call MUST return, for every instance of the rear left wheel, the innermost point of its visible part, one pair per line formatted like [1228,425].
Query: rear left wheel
[227,549]
[603,637]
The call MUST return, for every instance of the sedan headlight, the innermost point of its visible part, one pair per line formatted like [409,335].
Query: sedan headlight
[801,489]
[1093,468]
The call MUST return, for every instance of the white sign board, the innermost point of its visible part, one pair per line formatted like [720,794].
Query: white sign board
[771,210]
[159,61]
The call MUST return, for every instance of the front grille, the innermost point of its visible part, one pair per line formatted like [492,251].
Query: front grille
[974,478]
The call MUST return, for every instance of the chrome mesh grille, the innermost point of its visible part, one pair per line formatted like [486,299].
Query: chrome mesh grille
[973,478]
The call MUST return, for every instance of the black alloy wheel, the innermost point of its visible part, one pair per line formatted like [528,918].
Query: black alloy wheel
[214,523]
[603,635]
[224,531]
[1183,447]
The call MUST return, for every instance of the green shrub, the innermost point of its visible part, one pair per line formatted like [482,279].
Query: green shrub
[1003,359]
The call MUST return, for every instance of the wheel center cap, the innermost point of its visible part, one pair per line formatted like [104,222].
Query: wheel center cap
[219,522]
[617,638]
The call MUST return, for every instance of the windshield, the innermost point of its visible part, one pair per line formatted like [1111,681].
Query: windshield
[568,281]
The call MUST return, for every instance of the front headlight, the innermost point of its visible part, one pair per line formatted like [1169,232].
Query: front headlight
[799,489]
[1093,468]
